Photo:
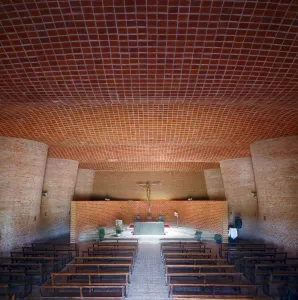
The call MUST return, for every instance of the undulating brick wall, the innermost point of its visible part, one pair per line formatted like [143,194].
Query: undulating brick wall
[173,185]
[87,216]
[275,163]
[84,184]
[22,167]
[214,184]
[239,184]
[59,183]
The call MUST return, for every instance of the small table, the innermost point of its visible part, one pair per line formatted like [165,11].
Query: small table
[149,228]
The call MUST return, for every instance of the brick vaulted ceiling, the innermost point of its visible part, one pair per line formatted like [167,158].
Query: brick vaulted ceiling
[148,85]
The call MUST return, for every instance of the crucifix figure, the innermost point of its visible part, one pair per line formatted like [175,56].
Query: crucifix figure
[148,186]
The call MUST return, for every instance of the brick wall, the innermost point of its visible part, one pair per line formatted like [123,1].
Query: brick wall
[59,182]
[84,183]
[275,165]
[214,184]
[87,216]
[239,183]
[173,185]
[22,166]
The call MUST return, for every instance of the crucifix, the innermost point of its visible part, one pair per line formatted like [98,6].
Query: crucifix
[148,186]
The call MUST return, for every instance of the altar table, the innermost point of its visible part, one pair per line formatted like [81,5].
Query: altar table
[149,228]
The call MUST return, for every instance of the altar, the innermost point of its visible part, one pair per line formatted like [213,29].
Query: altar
[149,228]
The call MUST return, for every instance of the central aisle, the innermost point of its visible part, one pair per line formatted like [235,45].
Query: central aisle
[148,280]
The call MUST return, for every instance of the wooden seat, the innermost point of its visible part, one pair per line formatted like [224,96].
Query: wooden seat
[99,267]
[227,289]
[30,269]
[109,252]
[198,268]
[111,292]
[186,255]
[14,283]
[184,277]
[195,261]
[186,250]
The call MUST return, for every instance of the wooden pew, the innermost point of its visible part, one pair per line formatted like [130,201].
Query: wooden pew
[113,291]
[116,244]
[238,255]
[183,245]
[14,283]
[266,269]
[98,267]
[284,279]
[210,289]
[109,252]
[115,240]
[195,261]
[198,268]
[53,252]
[64,257]
[49,246]
[53,263]
[103,259]
[4,290]
[186,255]
[30,269]
[119,247]
[186,249]
[70,278]
[248,263]
[181,277]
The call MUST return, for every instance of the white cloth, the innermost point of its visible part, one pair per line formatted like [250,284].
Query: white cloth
[233,233]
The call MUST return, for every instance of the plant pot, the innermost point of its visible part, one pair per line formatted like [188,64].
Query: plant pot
[218,241]
[101,237]
[198,237]
[118,234]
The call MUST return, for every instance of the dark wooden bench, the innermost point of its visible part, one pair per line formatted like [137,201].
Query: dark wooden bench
[103,259]
[50,247]
[53,264]
[14,284]
[111,292]
[4,290]
[183,245]
[115,240]
[181,277]
[116,244]
[186,255]
[230,290]
[186,250]
[110,252]
[264,270]
[238,255]
[99,267]
[30,269]
[64,257]
[195,261]
[120,247]
[197,268]
[75,278]
[284,279]
[53,252]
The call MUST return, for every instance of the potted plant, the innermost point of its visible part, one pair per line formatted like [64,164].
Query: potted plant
[218,238]
[118,232]
[101,233]
[199,235]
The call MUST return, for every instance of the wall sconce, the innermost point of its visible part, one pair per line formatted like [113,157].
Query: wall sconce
[107,199]
[44,193]
[189,199]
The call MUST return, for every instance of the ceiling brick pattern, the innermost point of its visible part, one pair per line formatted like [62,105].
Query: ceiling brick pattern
[148,85]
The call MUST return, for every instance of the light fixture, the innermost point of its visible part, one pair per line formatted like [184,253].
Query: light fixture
[44,193]
[189,199]
[107,199]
